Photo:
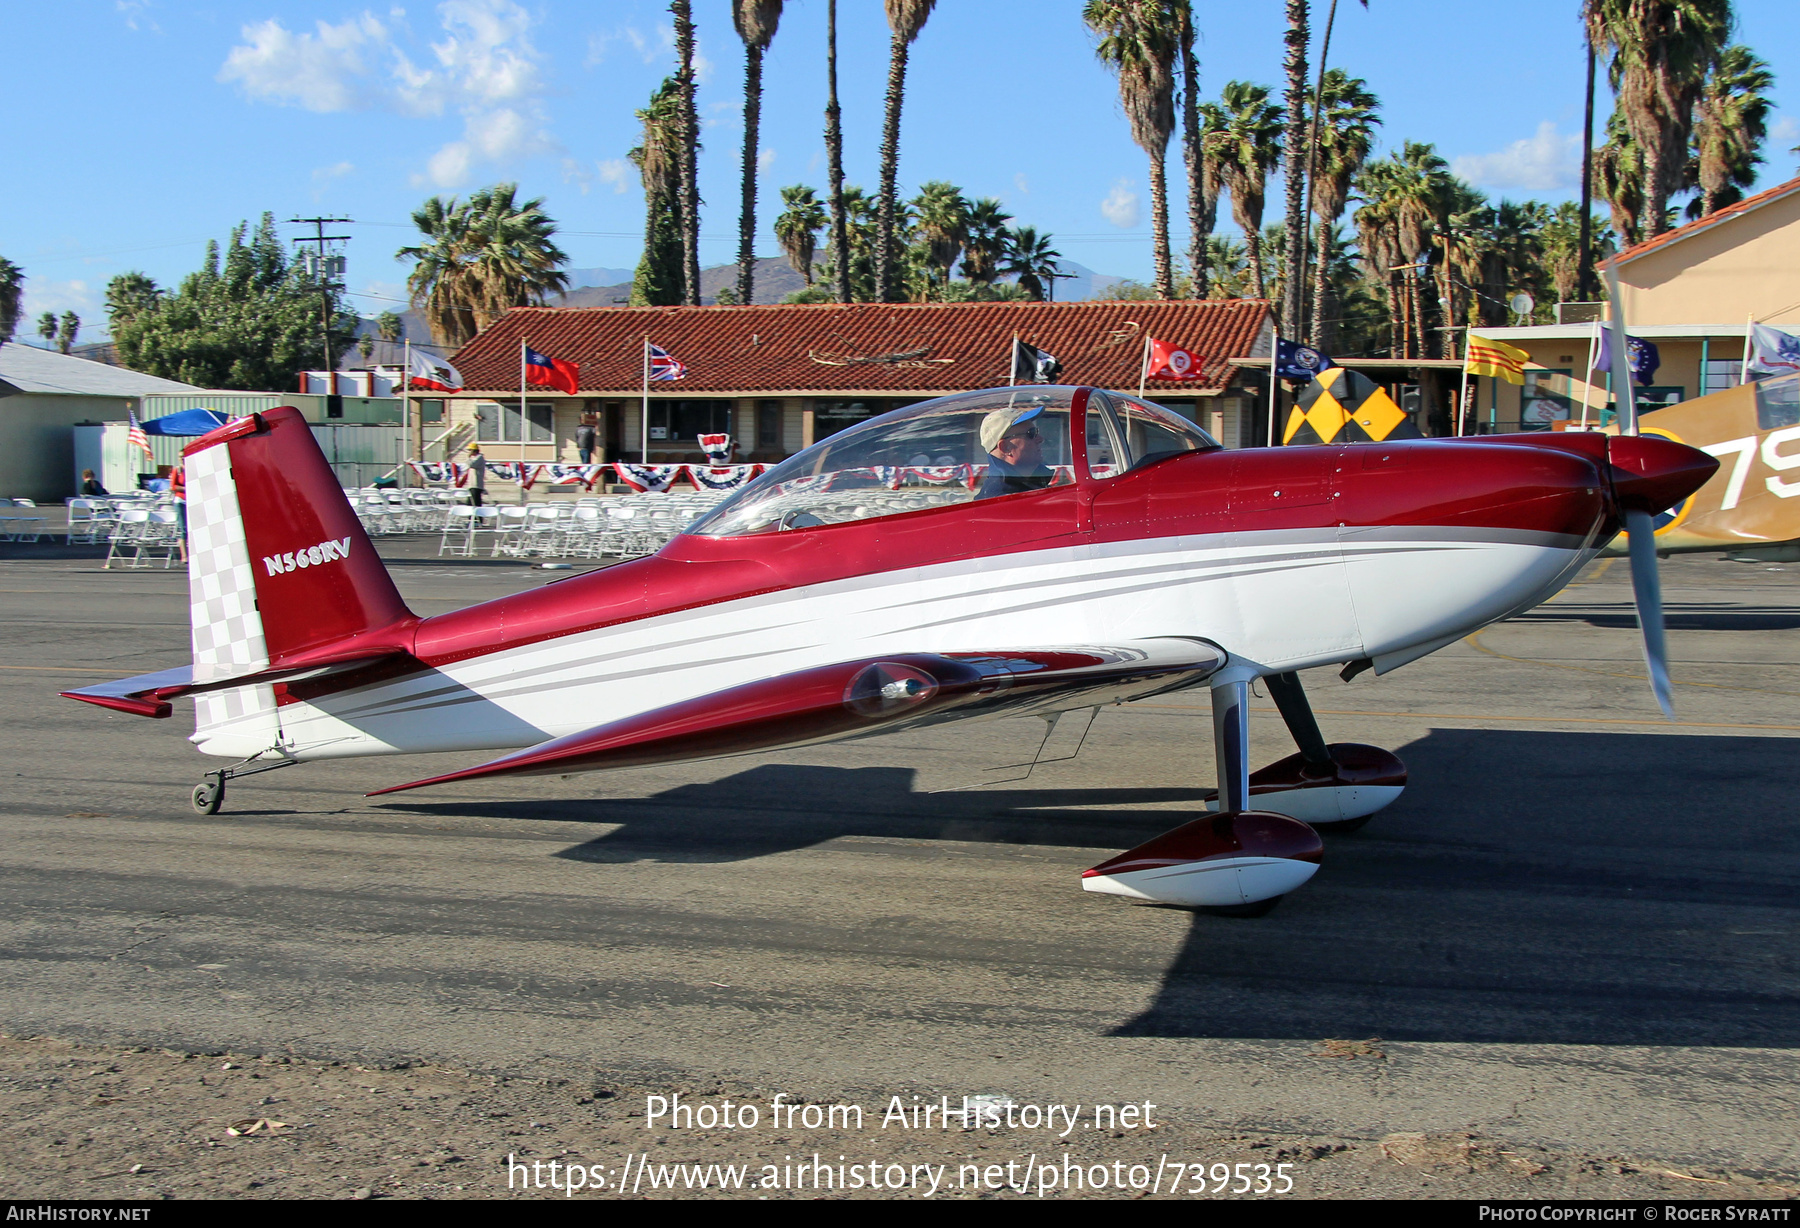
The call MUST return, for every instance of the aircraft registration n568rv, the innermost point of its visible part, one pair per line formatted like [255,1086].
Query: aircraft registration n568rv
[878,581]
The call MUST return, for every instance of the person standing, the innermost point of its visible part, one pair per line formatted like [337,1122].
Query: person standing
[477,475]
[586,436]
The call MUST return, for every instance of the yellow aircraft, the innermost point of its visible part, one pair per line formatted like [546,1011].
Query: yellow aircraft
[1751,504]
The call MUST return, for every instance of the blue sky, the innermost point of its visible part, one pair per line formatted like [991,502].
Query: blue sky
[141,128]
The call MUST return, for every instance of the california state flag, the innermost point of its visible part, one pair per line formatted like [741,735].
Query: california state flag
[1172,362]
[434,374]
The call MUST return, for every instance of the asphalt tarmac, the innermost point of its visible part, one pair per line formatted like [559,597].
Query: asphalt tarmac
[1575,931]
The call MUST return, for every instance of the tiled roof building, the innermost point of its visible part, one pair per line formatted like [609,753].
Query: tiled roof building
[779,377]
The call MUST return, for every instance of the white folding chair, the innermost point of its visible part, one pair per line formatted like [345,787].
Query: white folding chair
[459,532]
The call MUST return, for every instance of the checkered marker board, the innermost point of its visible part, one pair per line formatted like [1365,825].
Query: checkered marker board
[228,631]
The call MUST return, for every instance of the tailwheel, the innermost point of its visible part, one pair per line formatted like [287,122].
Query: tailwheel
[209,794]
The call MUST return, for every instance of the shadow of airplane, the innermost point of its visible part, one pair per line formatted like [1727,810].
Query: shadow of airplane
[1577,888]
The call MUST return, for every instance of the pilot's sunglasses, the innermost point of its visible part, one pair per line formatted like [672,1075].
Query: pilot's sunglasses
[1030,432]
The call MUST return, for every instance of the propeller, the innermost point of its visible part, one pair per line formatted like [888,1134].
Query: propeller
[1640,530]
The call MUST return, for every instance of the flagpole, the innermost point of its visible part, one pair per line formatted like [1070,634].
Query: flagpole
[1274,357]
[1012,374]
[1144,367]
[1744,365]
[645,439]
[1587,380]
[406,400]
[523,494]
[1462,398]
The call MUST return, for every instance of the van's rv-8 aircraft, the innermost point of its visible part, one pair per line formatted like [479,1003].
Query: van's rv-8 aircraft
[867,585]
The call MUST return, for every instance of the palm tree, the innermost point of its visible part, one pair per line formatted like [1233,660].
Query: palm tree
[1243,137]
[46,327]
[1619,177]
[66,331]
[128,296]
[1139,40]
[485,255]
[1407,195]
[1345,118]
[1730,123]
[797,227]
[1660,53]
[1295,180]
[1030,257]
[905,19]
[12,294]
[941,225]
[687,198]
[755,21]
[1202,175]
[390,327]
[985,246]
[834,158]
[660,281]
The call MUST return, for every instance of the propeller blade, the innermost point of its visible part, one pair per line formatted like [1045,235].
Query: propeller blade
[1646,588]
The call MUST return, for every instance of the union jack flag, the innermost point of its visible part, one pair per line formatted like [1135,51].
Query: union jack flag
[664,365]
[136,438]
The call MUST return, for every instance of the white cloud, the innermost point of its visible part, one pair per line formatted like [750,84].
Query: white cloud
[765,158]
[326,71]
[324,176]
[136,15]
[42,295]
[619,173]
[1546,162]
[1121,205]
[1785,128]
[485,68]
[1022,184]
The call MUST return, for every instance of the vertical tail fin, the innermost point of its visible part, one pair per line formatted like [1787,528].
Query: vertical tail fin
[280,567]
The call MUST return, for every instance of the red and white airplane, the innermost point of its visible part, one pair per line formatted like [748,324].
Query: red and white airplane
[1010,551]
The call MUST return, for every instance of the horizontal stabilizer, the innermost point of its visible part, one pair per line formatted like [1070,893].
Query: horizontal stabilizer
[857,698]
[151,694]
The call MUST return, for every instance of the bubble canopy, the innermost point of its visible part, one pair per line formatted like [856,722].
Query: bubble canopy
[932,454]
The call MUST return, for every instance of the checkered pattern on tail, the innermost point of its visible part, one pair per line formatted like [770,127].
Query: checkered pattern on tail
[228,630]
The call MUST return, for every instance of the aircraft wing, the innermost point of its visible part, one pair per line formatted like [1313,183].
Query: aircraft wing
[859,698]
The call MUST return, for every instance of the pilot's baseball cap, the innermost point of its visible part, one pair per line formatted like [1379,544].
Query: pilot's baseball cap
[996,424]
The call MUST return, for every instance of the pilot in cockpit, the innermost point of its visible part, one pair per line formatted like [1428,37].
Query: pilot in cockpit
[1015,446]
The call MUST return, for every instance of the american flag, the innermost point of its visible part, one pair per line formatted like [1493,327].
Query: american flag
[136,437]
[664,365]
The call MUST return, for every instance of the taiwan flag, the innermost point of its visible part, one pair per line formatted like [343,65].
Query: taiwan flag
[551,372]
[1171,362]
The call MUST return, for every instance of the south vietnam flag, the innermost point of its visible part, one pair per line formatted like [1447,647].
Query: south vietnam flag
[1495,358]
[552,372]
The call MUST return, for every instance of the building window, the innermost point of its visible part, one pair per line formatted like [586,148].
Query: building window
[498,421]
[1777,403]
[1544,399]
[431,411]
[768,425]
[1721,373]
[830,417]
[1659,396]
[678,420]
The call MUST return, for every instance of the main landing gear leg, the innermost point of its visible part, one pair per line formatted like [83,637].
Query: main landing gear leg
[1336,788]
[1237,863]
[209,794]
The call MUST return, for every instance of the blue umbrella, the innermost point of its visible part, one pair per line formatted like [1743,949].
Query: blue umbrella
[187,422]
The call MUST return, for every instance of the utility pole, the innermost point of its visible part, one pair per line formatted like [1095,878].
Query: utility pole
[1584,276]
[324,270]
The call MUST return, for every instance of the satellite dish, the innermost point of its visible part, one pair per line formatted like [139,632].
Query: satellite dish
[1522,304]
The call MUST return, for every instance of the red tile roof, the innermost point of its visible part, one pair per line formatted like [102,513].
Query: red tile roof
[1708,222]
[827,349]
